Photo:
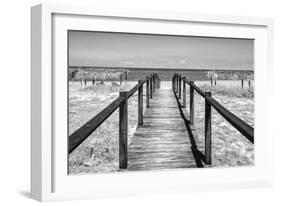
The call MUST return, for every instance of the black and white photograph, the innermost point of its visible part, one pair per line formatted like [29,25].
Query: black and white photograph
[145,102]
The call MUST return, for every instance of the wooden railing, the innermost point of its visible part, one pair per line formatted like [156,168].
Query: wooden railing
[178,81]
[76,138]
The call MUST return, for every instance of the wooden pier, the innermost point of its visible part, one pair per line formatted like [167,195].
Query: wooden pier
[166,139]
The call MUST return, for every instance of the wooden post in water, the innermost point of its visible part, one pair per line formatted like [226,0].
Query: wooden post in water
[179,86]
[123,132]
[208,129]
[147,92]
[191,102]
[140,104]
[249,83]
[242,83]
[184,92]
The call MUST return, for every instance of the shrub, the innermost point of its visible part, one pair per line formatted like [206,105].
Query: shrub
[228,88]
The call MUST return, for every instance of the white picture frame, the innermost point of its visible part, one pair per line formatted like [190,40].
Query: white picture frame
[49,181]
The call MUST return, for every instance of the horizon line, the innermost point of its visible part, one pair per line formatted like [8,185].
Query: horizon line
[157,68]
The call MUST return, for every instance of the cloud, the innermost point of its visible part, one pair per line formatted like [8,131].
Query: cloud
[183,61]
[135,62]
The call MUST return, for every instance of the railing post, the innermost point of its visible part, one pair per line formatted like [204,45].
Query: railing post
[191,102]
[126,76]
[173,89]
[177,83]
[140,104]
[173,83]
[151,87]
[208,129]
[157,81]
[184,93]
[153,84]
[120,79]
[147,92]
[123,132]
[179,86]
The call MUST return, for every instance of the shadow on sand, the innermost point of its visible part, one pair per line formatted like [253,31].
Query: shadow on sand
[198,156]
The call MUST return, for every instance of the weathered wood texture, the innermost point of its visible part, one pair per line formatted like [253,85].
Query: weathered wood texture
[208,129]
[166,140]
[123,131]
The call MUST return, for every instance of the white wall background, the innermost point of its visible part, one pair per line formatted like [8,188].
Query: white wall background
[15,101]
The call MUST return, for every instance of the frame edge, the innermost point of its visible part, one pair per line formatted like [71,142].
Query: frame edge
[36,108]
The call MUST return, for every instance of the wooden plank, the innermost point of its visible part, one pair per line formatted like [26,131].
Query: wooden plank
[163,141]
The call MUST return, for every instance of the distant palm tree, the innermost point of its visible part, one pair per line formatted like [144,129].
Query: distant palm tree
[97,75]
[212,75]
[234,77]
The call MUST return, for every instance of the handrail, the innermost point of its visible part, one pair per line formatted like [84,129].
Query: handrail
[199,91]
[77,137]
[235,121]
[135,88]
[244,128]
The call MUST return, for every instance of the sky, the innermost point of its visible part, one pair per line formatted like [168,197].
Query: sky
[159,51]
